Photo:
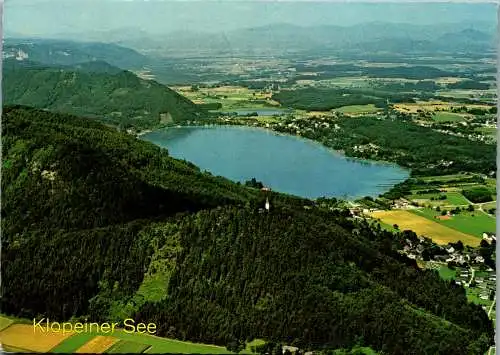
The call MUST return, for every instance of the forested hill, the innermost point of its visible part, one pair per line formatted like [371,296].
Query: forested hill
[93,220]
[97,90]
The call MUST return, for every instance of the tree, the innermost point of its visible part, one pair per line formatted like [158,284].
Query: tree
[484,244]
[235,346]
[470,208]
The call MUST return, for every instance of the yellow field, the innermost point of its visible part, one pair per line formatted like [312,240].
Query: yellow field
[422,226]
[97,345]
[448,80]
[24,336]
[432,105]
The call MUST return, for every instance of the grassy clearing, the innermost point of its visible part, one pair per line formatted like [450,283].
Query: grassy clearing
[452,199]
[472,223]
[447,117]
[358,109]
[5,322]
[456,199]
[421,225]
[446,273]
[127,347]
[24,336]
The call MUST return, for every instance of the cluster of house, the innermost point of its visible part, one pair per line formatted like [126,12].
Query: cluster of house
[486,285]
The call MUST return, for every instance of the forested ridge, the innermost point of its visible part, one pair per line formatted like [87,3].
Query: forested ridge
[89,214]
[97,90]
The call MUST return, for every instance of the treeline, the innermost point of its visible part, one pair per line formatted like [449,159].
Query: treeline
[469,85]
[478,194]
[319,99]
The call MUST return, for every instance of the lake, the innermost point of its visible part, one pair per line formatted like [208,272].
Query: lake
[284,163]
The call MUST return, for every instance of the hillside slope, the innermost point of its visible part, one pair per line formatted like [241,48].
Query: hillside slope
[89,214]
[95,89]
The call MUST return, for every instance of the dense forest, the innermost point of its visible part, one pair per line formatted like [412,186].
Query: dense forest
[321,99]
[325,99]
[89,214]
[96,90]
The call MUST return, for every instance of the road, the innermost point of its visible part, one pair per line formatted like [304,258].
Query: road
[492,305]
[489,313]
[472,276]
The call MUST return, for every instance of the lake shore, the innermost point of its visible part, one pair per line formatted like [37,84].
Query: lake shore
[287,163]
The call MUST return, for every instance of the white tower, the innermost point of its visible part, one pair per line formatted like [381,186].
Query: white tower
[267,204]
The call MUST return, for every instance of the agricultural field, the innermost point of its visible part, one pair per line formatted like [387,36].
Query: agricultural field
[421,225]
[358,109]
[472,223]
[97,345]
[127,347]
[453,198]
[24,336]
[73,343]
[447,117]
[434,106]
[13,349]
[231,97]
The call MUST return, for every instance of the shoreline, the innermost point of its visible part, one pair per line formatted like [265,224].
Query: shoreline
[338,154]
[308,140]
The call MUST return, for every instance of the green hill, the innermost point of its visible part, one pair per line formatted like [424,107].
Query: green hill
[99,224]
[97,90]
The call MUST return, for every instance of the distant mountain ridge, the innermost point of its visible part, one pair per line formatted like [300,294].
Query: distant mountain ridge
[291,37]
[284,38]
[67,52]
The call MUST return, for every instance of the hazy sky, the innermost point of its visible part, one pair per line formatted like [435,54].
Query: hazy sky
[44,17]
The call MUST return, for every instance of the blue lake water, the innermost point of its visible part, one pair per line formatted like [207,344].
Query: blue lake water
[284,163]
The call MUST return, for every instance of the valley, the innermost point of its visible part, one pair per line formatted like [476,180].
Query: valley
[249,193]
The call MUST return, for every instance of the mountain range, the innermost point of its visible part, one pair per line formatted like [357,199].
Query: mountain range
[291,38]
